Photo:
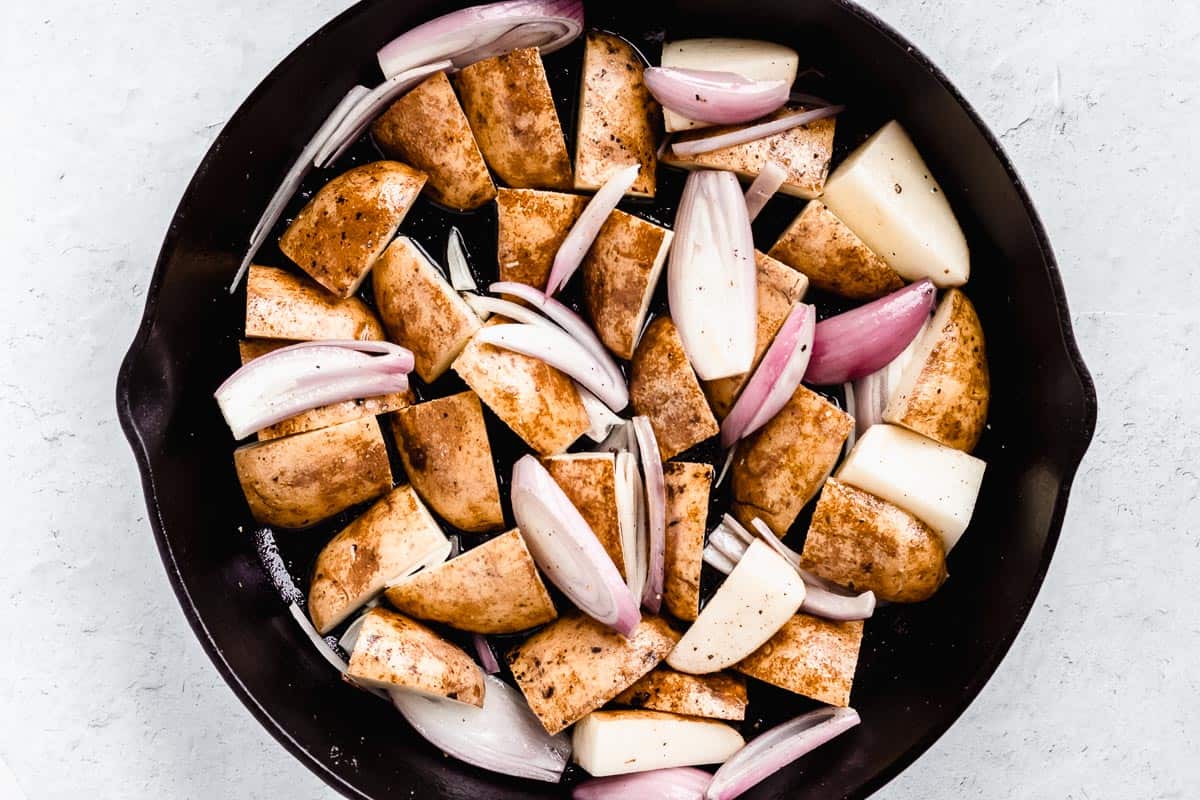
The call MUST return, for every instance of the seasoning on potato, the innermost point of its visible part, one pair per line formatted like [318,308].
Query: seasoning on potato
[810,656]
[687,511]
[663,387]
[282,305]
[530,227]
[718,696]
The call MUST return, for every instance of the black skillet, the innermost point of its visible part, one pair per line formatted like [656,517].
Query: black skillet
[920,665]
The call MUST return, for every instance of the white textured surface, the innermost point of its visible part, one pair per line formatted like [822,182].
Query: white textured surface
[108,109]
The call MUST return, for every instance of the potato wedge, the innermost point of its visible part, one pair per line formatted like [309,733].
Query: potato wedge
[428,129]
[803,152]
[620,742]
[343,229]
[620,272]
[717,696]
[778,469]
[446,453]
[393,651]
[420,308]
[943,393]
[779,288]
[299,480]
[810,656]
[750,58]
[820,245]
[575,665]
[393,538]
[589,481]
[663,386]
[491,588]
[531,226]
[282,305]
[618,118]
[324,416]
[508,102]
[537,401]
[862,542]
[687,512]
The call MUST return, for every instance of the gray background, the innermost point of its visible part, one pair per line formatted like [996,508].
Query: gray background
[109,106]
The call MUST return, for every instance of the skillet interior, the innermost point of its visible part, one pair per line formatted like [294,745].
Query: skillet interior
[920,666]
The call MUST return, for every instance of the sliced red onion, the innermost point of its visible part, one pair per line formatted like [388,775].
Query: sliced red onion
[772,751]
[718,560]
[719,98]
[656,513]
[776,378]
[563,353]
[630,514]
[750,133]
[712,278]
[619,440]
[725,467]
[737,529]
[852,409]
[350,635]
[727,544]
[675,783]
[764,188]
[487,656]
[808,100]
[600,417]
[473,34]
[504,736]
[566,549]
[571,252]
[868,396]
[822,598]
[326,647]
[456,258]
[485,305]
[866,338]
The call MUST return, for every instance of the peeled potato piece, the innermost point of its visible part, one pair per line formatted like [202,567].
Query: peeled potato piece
[751,58]
[717,696]
[589,481]
[687,512]
[531,226]
[620,742]
[299,480]
[492,588]
[663,387]
[282,305]
[391,539]
[343,229]
[810,656]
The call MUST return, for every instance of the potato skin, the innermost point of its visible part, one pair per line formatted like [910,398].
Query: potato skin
[575,665]
[948,399]
[810,656]
[393,650]
[591,486]
[820,245]
[508,102]
[779,468]
[663,387]
[446,453]
[491,588]
[282,305]
[688,488]
[302,479]
[343,229]
[428,129]
[532,225]
[717,696]
[862,542]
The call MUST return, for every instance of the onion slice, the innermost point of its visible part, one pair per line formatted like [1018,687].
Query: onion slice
[719,98]
[656,513]
[600,417]
[772,751]
[866,338]
[350,636]
[571,252]
[764,187]
[566,549]
[750,133]
[504,736]
[326,647]
[484,304]
[487,656]
[712,277]
[473,34]
[674,783]
[456,259]
[718,560]
[852,410]
[868,396]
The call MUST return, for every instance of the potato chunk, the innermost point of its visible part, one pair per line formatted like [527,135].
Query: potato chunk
[718,696]
[663,387]
[810,656]
[531,227]
[687,513]
[281,305]
[589,481]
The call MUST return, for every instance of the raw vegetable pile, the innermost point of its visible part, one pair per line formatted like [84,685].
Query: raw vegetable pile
[625,663]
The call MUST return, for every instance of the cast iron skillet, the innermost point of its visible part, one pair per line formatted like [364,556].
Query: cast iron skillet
[920,665]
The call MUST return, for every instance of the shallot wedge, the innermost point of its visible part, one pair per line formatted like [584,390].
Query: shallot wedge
[715,97]
[672,783]
[764,187]
[656,513]
[486,655]
[762,130]
[571,252]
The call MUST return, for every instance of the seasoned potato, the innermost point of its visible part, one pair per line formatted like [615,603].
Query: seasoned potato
[492,588]
[393,651]
[820,245]
[575,665]
[620,272]
[531,226]
[687,511]
[589,481]
[391,539]
[779,468]
[779,288]
[718,696]
[663,387]
[280,305]
[618,118]
[298,480]
[533,398]
[943,393]
[753,59]
[620,742]
[421,309]
[862,542]
[446,453]
[428,129]
[810,656]
[343,229]
[803,152]
[508,103]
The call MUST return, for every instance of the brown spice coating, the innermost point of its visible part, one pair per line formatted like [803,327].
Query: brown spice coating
[809,656]
[663,387]
[532,225]
[591,486]
[717,696]
[282,305]
[688,488]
